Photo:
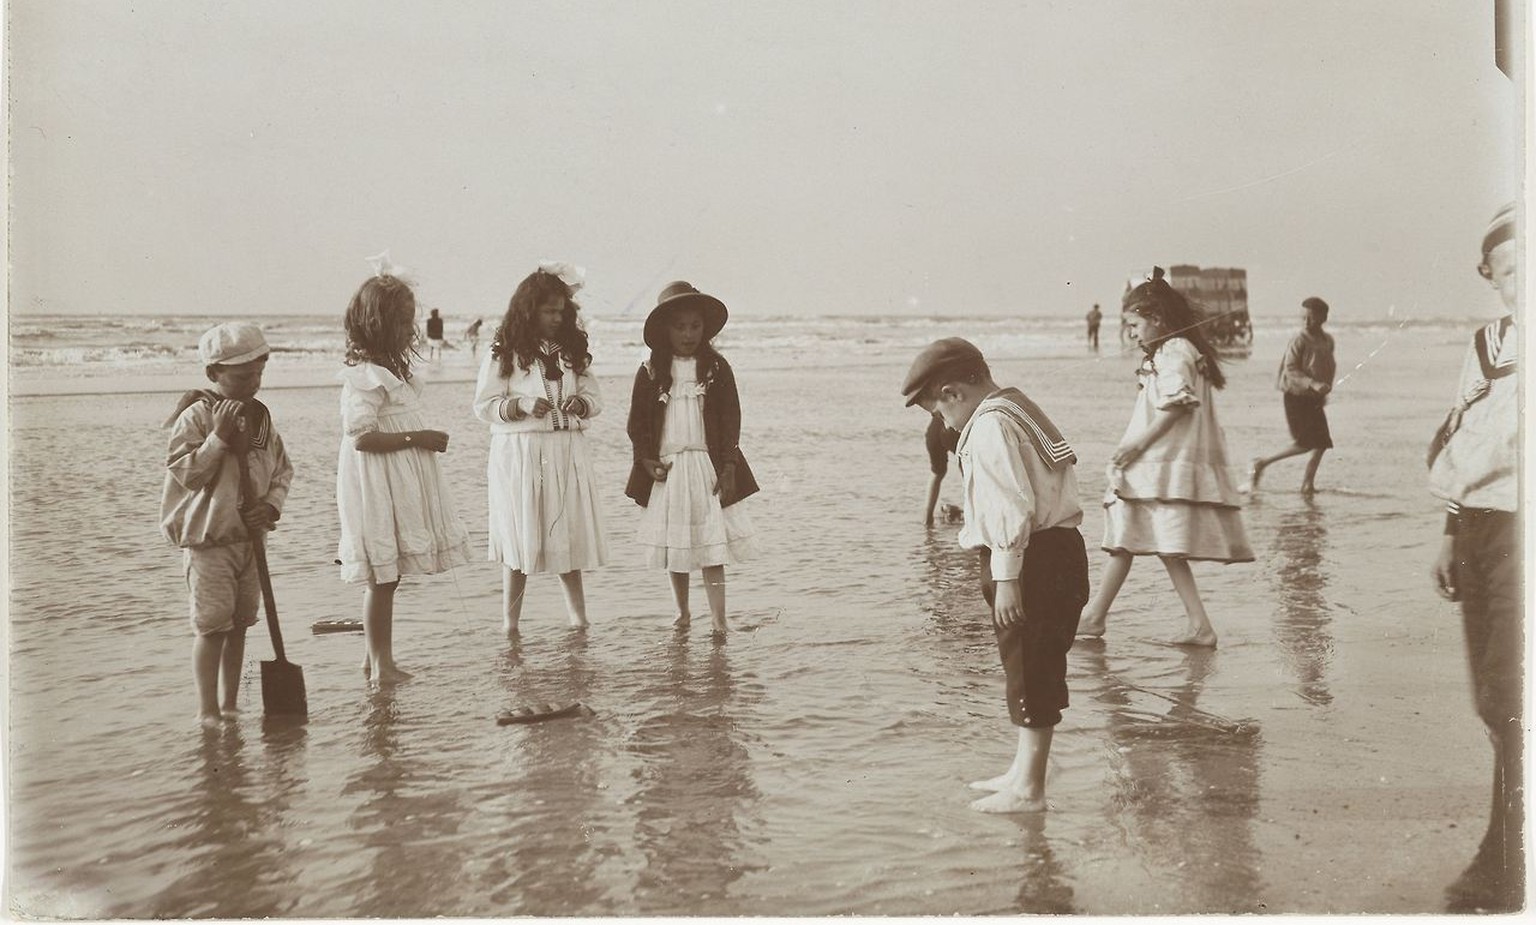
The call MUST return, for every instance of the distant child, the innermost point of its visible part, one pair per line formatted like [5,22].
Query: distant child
[1022,513]
[1306,378]
[434,336]
[537,391]
[689,473]
[397,515]
[1171,493]
[472,334]
[1094,318]
[207,511]
[1475,468]
[940,441]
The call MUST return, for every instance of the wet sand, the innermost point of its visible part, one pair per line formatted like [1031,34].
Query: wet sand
[1325,759]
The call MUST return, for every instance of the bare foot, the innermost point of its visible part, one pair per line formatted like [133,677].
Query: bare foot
[1255,470]
[996,784]
[210,720]
[1202,638]
[230,711]
[1091,625]
[1307,488]
[579,623]
[1009,801]
[682,620]
[393,675]
[509,627]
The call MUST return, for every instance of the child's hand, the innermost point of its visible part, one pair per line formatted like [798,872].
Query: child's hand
[1008,608]
[1444,570]
[725,484]
[1127,453]
[259,517]
[575,406]
[227,419]
[434,440]
[656,468]
[1323,388]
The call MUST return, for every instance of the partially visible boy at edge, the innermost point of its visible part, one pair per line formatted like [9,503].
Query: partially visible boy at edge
[1022,513]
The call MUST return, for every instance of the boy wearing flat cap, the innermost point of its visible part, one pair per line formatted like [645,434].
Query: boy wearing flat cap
[1022,513]
[214,501]
[1475,468]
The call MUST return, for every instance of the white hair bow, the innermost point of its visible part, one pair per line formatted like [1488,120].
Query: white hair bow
[383,266]
[573,276]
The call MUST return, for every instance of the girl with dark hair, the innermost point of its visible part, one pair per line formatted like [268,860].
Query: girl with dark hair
[1171,492]
[537,393]
[689,474]
[397,514]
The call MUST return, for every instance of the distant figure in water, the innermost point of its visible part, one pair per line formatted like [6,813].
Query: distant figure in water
[1306,378]
[1022,513]
[1170,491]
[1475,469]
[434,337]
[940,441]
[689,472]
[472,334]
[208,511]
[1094,317]
[397,514]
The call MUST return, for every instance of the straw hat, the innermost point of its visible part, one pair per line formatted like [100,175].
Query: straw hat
[682,295]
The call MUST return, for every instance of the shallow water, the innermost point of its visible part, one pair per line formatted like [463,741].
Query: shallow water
[813,764]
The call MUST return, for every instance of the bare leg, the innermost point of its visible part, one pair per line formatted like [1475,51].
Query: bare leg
[1024,792]
[379,632]
[1307,486]
[1199,632]
[207,652]
[575,598]
[714,590]
[680,595]
[1260,463]
[1097,611]
[230,666]
[513,584]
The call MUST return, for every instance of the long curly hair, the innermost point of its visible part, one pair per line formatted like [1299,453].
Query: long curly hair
[375,329]
[1175,317]
[517,339]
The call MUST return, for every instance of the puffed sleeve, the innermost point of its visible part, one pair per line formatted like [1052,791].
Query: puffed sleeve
[195,453]
[588,391]
[491,398]
[364,390]
[1000,501]
[1178,374]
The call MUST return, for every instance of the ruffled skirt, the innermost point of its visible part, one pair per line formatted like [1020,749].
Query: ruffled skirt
[544,511]
[683,528]
[1178,529]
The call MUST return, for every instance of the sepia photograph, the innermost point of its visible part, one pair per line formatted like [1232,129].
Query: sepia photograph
[494,459]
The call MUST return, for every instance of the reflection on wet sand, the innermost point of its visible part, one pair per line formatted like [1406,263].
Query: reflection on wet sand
[235,863]
[405,827]
[951,585]
[1044,888]
[554,837]
[1303,619]
[696,802]
[1186,784]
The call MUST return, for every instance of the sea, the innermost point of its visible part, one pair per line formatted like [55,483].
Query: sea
[1324,758]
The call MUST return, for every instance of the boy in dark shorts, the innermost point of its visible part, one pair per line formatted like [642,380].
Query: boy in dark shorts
[1022,513]
[1475,469]
[1306,378]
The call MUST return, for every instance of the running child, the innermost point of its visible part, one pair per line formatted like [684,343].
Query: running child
[207,510]
[1305,378]
[397,514]
[537,392]
[1022,513]
[689,473]
[1170,489]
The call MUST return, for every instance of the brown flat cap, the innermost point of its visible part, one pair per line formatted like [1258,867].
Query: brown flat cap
[936,358]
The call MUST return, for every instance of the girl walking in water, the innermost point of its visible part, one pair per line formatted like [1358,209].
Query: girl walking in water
[1170,489]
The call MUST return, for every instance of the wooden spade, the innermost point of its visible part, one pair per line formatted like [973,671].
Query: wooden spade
[542,712]
[282,682]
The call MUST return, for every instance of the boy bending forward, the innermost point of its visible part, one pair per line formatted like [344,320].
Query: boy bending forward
[1022,513]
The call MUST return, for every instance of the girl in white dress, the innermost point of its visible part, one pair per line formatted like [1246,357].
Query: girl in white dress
[397,514]
[1171,492]
[689,473]
[537,393]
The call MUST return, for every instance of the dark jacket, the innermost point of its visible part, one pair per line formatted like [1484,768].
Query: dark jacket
[722,428]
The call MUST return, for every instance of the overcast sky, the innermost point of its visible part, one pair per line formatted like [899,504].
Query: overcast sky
[792,157]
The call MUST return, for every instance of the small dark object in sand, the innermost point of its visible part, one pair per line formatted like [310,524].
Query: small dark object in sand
[337,626]
[953,513]
[540,713]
